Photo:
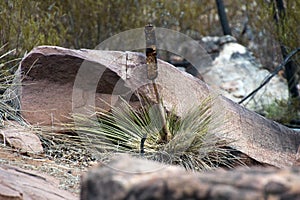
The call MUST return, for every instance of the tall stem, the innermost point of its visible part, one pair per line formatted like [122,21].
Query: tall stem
[152,72]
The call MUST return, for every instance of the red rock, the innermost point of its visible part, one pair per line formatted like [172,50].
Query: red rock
[259,138]
[21,138]
[22,184]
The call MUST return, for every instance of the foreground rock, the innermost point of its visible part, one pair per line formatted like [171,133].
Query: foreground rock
[20,184]
[53,95]
[131,178]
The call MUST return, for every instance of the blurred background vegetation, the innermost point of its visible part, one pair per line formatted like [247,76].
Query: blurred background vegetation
[85,23]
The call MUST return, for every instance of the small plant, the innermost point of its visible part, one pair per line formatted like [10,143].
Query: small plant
[282,111]
[193,143]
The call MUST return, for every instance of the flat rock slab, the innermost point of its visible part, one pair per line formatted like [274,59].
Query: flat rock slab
[21,184]
[130,178]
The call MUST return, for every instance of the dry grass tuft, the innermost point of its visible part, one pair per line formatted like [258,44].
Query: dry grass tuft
[193,142]
[9,105]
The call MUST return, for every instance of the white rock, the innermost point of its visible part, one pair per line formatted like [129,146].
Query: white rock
[235,73]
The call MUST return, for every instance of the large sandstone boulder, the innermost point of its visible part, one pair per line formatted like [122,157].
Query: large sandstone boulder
[49,71]
[115,73]
[132,178]
[48,75]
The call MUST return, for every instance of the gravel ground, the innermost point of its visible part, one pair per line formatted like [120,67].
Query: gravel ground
[66,166]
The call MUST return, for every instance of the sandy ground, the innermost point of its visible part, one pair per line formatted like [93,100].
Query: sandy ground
[67,173]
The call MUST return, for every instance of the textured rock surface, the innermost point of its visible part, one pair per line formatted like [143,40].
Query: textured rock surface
[126,178]
[20,184]
[251,133]
[261,139]
[235,73]
[20,138]
[48,81]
